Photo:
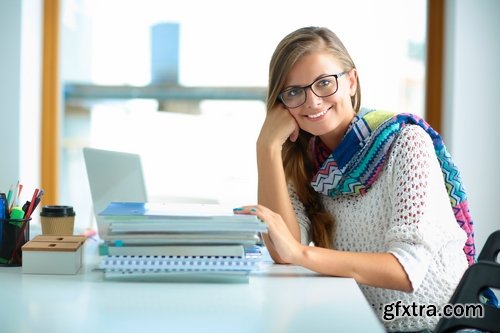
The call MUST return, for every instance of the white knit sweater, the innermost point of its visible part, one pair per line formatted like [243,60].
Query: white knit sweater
[406,212]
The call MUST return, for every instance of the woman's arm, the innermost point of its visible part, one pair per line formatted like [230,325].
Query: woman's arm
[381,270]
[273,193]
[278,127]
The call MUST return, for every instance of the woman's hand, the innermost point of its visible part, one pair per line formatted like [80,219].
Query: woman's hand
[287,247]
[278,126]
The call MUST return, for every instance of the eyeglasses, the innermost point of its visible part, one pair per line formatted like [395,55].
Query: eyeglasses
[325,86]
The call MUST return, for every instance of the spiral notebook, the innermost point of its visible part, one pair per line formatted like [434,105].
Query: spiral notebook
[181,268]
[178,276]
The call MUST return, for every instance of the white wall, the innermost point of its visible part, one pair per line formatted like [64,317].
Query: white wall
[30,95]
[10,41]
[472,105]
[20,42]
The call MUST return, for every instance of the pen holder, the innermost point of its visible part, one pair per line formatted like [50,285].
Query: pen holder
[14,233]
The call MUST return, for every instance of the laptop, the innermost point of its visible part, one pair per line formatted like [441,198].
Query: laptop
[113,176]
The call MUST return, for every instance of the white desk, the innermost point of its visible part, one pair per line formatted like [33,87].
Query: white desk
[280,298]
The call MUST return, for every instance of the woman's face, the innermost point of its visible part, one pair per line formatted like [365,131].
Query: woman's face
[327,117]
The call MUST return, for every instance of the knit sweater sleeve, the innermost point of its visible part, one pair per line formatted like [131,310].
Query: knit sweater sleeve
[422,220]
[300,214]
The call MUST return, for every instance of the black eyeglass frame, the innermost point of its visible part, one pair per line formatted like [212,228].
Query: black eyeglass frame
[336,76]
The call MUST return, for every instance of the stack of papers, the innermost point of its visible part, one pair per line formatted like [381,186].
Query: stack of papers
[178,242]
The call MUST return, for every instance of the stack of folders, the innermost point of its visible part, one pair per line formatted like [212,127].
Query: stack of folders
[178,242]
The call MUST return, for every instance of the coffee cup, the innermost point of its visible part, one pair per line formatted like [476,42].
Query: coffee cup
[57,220]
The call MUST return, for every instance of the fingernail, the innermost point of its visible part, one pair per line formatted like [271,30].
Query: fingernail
[253,210]
[238,209]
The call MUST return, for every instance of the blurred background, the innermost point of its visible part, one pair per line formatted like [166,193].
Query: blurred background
[203,147]
[182,84]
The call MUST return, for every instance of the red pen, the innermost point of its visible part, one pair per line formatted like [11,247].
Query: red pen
[32,204]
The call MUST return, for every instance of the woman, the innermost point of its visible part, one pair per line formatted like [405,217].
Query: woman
[365,187]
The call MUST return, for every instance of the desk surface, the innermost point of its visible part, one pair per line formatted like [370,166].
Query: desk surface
[280,298]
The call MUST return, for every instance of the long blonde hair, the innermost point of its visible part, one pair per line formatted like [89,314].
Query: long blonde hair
[297,161]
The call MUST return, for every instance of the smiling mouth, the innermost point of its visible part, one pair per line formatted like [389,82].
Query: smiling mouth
[317,115]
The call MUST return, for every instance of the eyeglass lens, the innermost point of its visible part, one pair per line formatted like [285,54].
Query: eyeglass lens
[323,87]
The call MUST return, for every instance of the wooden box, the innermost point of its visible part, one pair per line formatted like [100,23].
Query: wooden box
[53,255]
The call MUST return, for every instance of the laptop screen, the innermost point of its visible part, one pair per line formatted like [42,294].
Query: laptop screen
[114,176]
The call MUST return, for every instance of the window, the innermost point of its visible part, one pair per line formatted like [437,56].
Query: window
[209,154]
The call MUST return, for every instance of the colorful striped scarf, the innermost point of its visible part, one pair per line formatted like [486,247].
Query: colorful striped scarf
[356,163]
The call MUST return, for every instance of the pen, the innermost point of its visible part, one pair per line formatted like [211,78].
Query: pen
[32,204]
[14,196]
[26,206]
[3,211]
[9,195]
[19,193]
[4,206]
[38,198]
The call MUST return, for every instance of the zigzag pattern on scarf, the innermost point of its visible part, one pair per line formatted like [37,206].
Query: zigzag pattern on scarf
[366,171]
[363,154]
[363,169]
[327,177]
[452,178]
[464,220]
